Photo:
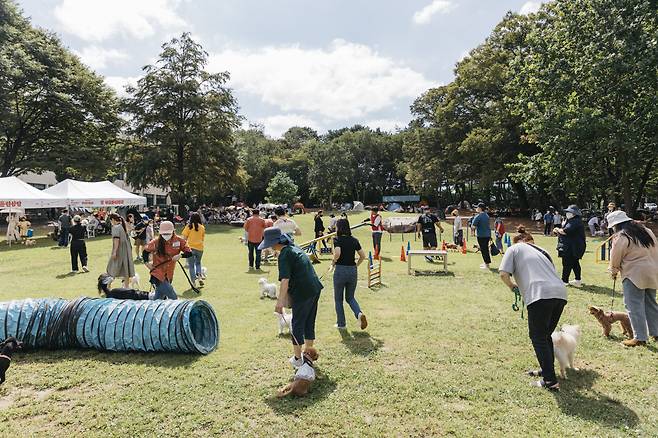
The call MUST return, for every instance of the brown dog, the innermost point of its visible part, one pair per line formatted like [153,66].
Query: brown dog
[606,319]
[302,383]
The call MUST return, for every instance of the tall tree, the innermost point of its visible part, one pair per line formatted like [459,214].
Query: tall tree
[281,189]
[588,88]
[55,114]
[181,122]
[257,155]
[331,170]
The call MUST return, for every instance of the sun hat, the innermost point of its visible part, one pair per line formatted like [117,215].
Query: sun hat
[166,227]
[272,236]
[77,218]
[617,217]
[573,209]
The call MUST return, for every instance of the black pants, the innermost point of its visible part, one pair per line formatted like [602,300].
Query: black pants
[253,248]
[377,242]
[570,263]
[543,317]
[458,237]
[548,228]
[320,234]
[303,319]
[483,242]
[78,249]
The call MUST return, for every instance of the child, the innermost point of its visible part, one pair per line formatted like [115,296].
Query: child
[499,229]
[24,225]
[300,289]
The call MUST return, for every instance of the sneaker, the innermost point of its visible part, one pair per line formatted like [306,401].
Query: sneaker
[363,320]
[633,343]
[74,271]
[565,284]
[484,266]
[296,363]
[576,283]
[340,327]
[86,269]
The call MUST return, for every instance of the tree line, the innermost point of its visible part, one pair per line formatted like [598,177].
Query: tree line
[554,107]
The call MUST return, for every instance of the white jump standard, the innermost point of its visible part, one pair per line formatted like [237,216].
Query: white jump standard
[436,253]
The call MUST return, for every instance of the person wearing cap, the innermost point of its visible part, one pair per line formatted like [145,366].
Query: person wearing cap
[634,257]
[164,252]
[483,232]
[571,245]
[457,230]
[300,289]
[78,246]
[121,264]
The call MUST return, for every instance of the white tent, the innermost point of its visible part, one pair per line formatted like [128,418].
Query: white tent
[93,194]
[19,195]
[358,206]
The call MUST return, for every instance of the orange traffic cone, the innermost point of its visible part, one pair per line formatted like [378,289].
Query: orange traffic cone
[463,246]
[403,257]
[443,246]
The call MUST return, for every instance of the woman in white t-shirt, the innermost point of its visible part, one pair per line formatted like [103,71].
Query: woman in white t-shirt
[457,229]
[544,294]
[285,224]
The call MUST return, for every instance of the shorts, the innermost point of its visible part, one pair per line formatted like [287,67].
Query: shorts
[140,242]
[429,240]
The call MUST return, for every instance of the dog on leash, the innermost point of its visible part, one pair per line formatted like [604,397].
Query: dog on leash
[304,376]
[121,293]
[606,319]
[285,320]
[267,289]
[30,242]
[564,346]
[8,347]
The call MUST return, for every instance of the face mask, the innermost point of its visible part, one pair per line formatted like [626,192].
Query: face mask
[166,237]
[570,215]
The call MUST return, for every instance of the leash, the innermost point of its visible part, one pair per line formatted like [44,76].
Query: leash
[194,288]
[289,328]
[517,299]
[614,286]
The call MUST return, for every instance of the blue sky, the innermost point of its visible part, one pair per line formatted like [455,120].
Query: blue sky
[319,63]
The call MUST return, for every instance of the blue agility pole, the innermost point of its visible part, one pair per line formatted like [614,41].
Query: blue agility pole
[182,326]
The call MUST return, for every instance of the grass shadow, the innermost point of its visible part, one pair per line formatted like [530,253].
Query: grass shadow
[67,275]
[360,343]
[598,290]
[576,398]
[160,359]
[428,273]
[256,272]
[321,388]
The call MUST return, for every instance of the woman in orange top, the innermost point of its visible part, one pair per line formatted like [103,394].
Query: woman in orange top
[165,251]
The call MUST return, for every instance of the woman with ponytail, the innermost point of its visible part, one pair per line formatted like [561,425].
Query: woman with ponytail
[164,252]
[121,263]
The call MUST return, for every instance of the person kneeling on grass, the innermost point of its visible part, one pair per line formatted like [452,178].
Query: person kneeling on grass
[165,251]
[300,289]
[545,296]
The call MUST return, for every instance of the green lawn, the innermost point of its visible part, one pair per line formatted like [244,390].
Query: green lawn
[443,355]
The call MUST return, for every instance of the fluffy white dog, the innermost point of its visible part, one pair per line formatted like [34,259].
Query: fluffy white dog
[267,289]
[134,282]
[284,320]
[564,345]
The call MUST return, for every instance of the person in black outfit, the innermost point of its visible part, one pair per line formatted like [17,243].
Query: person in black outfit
[319,227]
[78,246]
[571,245]
[345,266]
[426,224]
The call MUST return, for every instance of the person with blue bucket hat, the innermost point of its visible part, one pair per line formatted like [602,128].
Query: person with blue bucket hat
[571,245]
[300,290]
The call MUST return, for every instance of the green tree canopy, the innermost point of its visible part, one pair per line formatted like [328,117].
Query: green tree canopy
[281,189]
[55,114]
[181,122]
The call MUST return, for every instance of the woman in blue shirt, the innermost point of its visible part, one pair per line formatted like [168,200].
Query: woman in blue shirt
[483,232]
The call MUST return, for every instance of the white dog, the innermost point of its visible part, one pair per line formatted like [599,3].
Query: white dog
[267,289]
[284,320]
[564,346]
[134,282]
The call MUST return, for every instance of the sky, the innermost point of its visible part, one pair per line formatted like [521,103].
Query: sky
[325,64]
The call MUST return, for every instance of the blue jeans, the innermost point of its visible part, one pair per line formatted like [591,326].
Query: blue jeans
[345,283]
[163,290]
[194,264]
[64,237]
[642,310]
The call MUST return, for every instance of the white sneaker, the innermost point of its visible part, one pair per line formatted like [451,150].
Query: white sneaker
[484,266]
[296,363]
[576,283]
[74,271]
[340,327]
[86,269]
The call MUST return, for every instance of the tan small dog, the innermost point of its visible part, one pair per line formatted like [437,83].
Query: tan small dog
[304,376]
[606,319]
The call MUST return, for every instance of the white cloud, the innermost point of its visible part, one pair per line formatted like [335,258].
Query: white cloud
[276,126]
[425,15]
[97,20]
[529,7]
[118,83]
[98,57]
[387,125]
[346,80]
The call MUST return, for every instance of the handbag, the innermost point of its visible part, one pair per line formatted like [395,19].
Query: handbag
[493,249]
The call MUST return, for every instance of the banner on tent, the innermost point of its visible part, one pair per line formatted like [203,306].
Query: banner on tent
[10,203]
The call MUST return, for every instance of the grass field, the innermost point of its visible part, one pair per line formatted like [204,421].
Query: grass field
[443,355]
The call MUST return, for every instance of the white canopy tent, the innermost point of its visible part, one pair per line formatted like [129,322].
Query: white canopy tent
[18,195]
[93,194]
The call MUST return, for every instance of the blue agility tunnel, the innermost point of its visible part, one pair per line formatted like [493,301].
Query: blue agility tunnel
[182,326]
